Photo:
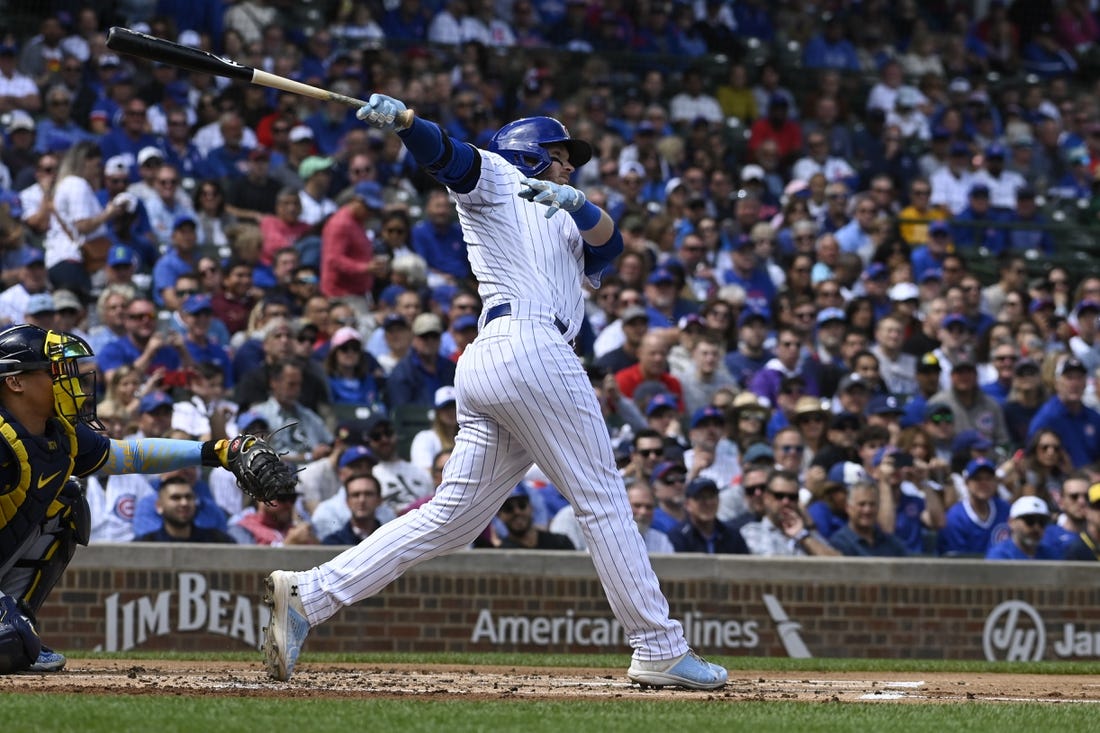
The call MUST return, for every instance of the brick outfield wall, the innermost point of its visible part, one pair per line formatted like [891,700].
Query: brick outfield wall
[153,596]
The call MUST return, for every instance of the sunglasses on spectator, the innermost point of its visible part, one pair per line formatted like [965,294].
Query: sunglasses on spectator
[755,489]
[943,417]
[1035,520]
[784,496]
[650,452]
[515,505]
[380,435]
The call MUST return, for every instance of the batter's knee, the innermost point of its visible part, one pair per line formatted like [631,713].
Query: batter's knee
[19,643]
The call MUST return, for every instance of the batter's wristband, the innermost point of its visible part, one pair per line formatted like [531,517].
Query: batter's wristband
[587,216]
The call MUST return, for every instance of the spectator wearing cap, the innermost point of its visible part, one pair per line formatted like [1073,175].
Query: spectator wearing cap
[256,195]
[976,225]
[664,305]
[897,368]
[701,531]
[1030,232]
[705,375]
[353,375]
[461,332]
[911,506]
[132,228]
[143,167]
[181,257]
[1001,183]
[363,495]
[1045,56]
[1025,397]
[980,518]
[829,509]
[179,151]
[831,49]
[692,102]
[931,255]
[316,174]
[517,516]
[996,377]
[951,183]
[818,159]
[440,435]
[744,269]
[972,408]
[861,535]
[777,126]
[416,378]
[321,481]
[916,217]
[40,311]
[197,313]
[129,136]
[784,531]
[33,279]
[1087,545]
[661,413]
[300,145]
[782,368]
[669,480]
[169,205]
[349,262]
[927,377]
[19,154]
[1074,422]
[811,417]
[956,345]
[438,239]
[712,455]
[750,356]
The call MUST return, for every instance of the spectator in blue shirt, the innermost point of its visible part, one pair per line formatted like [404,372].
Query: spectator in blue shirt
[1027,522]
[1077,424]
[416,377]
[862,536]
[831,50]
[980,520]
[1036,236]
[702,531]
[968,234]
[182,257]
[438,239]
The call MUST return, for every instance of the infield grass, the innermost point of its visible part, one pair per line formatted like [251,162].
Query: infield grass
[117,714]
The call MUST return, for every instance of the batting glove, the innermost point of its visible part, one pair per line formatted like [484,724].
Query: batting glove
[381,112]
[554,195]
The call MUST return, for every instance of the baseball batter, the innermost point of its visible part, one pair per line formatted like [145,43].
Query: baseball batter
[523,397]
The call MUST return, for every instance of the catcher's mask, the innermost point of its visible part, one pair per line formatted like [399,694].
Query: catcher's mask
[29,348]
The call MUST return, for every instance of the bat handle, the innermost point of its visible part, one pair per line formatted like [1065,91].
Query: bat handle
[405,119]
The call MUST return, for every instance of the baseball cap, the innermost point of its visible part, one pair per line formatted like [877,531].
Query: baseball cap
[248,418]
[1026,366]
[886,450]
[902,292]
[995,150]
[313,164]
[183,220]
[466,320]
[848,381]
[691,319]
[63,299]
[1027,506]
[938,227]
[979,464]
[758,452]
[355,453]
[752,172]
[885,404]
[699,485]
[831,314]
[197,303]
[298,133]
[875,271]
[937,408]
[370,193]
[392,320]
[153,401]
[664,468]
[109,59]
[259,153]
[1040,303]
[660,401]
[1094,494]
[427,323]
[709,412]
[968,440]
[20,120]
[751,314]
[345,334]
[929,362]
[352,432]
[1088,305]
[633,312]
[148,153]
[519,491]
[445,396]
[119,256]
[631,167]
[39,303]
[33,256]
[931,273]
[908,97]
[845,419]
[375,421]
[661,276]
[954,319]
[1071,363]
[979,189]
[959,85]
[959,148]
[1026,192]
[846,473]
[116,165]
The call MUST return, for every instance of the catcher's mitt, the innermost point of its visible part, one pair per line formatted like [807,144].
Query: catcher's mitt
[259,471]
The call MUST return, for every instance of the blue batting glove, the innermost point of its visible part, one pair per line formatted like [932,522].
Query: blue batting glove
[381,112]
[553,195]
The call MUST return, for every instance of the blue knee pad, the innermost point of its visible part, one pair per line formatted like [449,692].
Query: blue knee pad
[19,643]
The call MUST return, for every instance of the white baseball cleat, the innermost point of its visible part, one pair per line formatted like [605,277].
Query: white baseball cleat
[288,627]
[690,670]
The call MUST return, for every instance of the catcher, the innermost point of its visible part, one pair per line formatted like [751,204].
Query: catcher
[48,435]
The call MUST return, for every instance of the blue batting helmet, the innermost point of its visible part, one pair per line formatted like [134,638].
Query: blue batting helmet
[523,144]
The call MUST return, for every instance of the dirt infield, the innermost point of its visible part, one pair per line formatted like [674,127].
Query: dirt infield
[443,682]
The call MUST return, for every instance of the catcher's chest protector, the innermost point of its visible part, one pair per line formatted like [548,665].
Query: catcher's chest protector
[33,470]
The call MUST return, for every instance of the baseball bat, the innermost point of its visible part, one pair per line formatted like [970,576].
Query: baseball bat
[124,40]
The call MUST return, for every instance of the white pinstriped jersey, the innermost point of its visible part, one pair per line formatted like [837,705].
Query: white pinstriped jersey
[515,252]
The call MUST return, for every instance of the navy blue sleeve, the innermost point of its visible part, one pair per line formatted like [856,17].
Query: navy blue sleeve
[598,259]
[455,164]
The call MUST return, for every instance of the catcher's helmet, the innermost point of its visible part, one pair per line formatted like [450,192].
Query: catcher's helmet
[523,144]
[28,348]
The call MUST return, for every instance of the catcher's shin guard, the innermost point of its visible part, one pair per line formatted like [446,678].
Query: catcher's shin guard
[37,572]
[19,643]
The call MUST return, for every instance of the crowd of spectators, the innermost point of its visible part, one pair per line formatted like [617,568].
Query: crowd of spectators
[804,348]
